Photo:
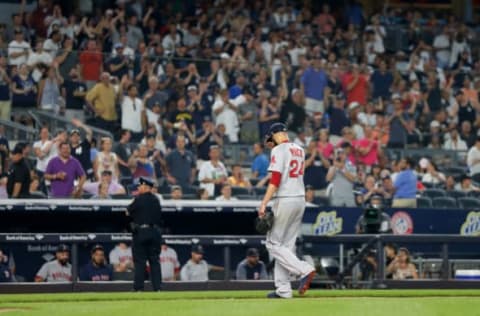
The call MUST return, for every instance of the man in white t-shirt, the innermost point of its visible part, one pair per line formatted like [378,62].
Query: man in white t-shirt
[121,258]
[44,149]
[170,266]
[212,173]
[473,158]
[133,113]
[225,111]
[18,49]
[58,270]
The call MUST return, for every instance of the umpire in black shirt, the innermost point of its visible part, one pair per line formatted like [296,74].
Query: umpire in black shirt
[145,211]
[18,185]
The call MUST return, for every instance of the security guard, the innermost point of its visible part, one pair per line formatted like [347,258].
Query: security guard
[145,211]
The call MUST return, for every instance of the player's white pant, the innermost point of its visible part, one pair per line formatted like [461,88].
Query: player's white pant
[281,243]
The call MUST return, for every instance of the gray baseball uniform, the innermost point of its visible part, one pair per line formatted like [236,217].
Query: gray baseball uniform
[169,263]
[53,271]
[289,205]
[192,271]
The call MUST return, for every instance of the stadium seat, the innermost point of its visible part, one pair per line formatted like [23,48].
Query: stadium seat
[476,178]
[424,202]
[260,191]
[469,203]
[236,191]
[433,193]
[475,194]
[120,196]
[456,194]
[244,196]
[190,190]
[444,202]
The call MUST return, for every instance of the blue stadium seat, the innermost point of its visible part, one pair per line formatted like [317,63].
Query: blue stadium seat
[236,191]
[444,202]
[433,193]
[424,202]
[469,203]
[456,194]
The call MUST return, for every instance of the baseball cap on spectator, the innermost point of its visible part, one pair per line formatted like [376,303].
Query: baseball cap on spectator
[465,177]
[434,124]
[62,248]
[198,249]
[118,45]
[353,105]
[109,12]
[145,181]
[384,174]
[74,131]
[459,92]
[345,145]
[96,247]
[18,31]
[295,91]
[175,187]
[252,252]
[192,88]
[224,56]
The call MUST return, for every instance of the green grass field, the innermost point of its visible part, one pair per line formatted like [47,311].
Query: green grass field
[252,303]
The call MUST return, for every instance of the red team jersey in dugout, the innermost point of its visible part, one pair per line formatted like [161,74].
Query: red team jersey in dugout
[289,160]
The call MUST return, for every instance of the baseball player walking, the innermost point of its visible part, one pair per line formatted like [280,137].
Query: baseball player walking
[287,188]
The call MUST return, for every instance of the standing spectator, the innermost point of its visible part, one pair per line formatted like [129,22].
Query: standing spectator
[133,114]
[5,82]
[213,173]
[97,268]
[73,92]
[441,44]
[338,118]
[405,185]
[18,49]
[154,96]
[141,165]
[269,114]
[398,125]
[313,84]
[18,185]
[181,164]
[102,98]
[251,268]
[473,157]
[342,176]
[260,162]
[237,179]
[67,58]
[463,109]
[207,136]
[367,148]
[226,193]
[121,258]
[63,171]
[316,167]
[467,134]
[45,149]
[225,111]
[106,159]
[196,269]
[91,64]
[170,267]
[38,60]
[356,85]
[52,45]
[49,97]
[58,270]
[293,111]
[24,90]
[123,152]
[382,80]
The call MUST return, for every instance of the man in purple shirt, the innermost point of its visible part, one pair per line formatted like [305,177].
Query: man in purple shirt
[113,186]
[62,171]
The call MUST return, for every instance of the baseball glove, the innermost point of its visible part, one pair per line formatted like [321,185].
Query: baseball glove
[265,223]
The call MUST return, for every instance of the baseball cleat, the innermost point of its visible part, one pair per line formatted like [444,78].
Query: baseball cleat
[305,282]
[273,295]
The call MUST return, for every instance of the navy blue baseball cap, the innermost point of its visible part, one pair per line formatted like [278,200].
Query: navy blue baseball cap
[198,249]
[146,181]
[62,248]
[275,128]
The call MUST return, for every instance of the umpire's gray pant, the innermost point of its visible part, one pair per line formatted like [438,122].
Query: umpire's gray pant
[281,239]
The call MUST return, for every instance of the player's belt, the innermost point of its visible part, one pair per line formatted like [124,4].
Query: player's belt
[290,196]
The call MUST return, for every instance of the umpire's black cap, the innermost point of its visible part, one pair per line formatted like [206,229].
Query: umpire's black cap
[62,248]
[146,181]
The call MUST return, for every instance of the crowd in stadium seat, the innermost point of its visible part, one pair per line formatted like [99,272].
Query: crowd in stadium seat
[173,81]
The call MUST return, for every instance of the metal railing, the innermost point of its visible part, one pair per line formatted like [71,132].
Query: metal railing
[60,123]
[19,131]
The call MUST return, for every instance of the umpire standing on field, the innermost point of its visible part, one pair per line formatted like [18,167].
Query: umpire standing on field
[145,211]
